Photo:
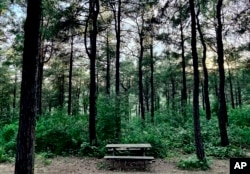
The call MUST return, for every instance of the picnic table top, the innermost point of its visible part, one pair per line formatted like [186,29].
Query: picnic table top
[128,145]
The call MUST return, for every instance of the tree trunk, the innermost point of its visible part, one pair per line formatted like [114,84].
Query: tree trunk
[223,118]
[231,88]
[203,98]
[146,94]
[173,93]
[117,18]
[152,80]
[108,66]
[61,91]
[92,20]
[40,83]
[14,93]
[205,73]
[28,104]
[184,82]
[197,130]
[239,94]
[140,76]
[70,75]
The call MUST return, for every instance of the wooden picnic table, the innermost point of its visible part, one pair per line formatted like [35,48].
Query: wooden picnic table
[117,148]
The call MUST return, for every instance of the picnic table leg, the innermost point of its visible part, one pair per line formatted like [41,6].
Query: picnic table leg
[113,164]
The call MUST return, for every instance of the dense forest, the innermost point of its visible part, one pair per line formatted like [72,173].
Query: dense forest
[78,74]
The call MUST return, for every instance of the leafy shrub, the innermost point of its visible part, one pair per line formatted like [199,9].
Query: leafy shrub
[92,151]
[240,117]
[224,152]
[8,138]
[106,120]
[3,156]
[60,133]
[193,162]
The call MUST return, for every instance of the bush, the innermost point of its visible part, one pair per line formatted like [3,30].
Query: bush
[224,152]
[8,138]
[106,120]
[193,162]
[3,156]
[60,133]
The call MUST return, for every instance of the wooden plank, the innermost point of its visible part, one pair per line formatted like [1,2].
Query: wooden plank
[128,146]
[130,157]
[125,149]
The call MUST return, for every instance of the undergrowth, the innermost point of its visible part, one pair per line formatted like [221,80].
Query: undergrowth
[170,135]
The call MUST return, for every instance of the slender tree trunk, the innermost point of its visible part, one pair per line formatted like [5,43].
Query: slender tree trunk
[223,118]
[236,98]
[203,98]
[118,43]
[140,76]
[197,130]
[61,91]
[239,94]
[15,92]
[142,111]
[146,94]
[108,67]
[117,66]
[70,74]
[40,69]
[152,80]
[28,104]
[40,84]
[231,88]
[184,82]
[173,93]
[205,73]
[92,20]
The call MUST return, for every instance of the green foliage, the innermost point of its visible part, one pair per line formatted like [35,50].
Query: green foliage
[193,162]
[106,119]
[44,157]
[240,117]
[224,152]
[60,133]
[8,136]
[239,126]
[3,156]
[148,134]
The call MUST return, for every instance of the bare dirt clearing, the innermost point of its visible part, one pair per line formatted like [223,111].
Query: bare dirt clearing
[75,165]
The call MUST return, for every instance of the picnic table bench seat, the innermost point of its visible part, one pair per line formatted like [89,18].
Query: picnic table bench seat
[130,157]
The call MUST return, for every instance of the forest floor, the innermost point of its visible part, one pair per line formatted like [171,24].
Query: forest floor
[76,165]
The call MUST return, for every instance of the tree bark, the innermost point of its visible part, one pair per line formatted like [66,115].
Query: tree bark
[15,93]
[61,91]
[184,81]
[239,94]
[28,104]
[152,80]
[205,73]
[117,18]
[223,118]
[92,20]
[108,66]
[70,74]
[141,36]
[200,153]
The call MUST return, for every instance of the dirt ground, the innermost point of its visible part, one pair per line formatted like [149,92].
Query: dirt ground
[75,165]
